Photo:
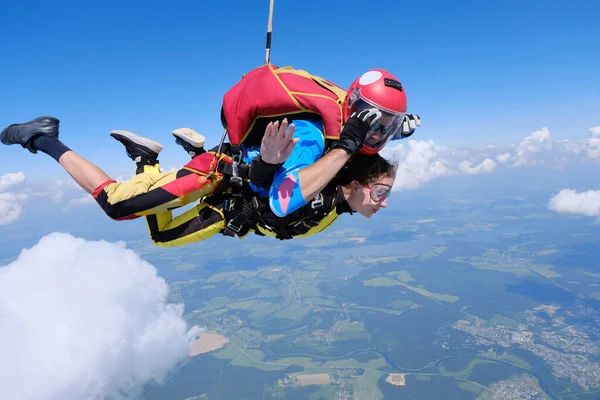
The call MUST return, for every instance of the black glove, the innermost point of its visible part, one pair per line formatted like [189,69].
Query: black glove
[261,173]
[354,133]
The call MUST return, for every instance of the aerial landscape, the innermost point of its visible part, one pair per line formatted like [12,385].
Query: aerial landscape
[469,298]
[434,164]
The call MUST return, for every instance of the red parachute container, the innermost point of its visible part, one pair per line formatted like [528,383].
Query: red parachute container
[269,93]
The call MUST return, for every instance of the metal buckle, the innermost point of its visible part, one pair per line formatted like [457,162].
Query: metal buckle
[236,179]
[236,228]
[317,202]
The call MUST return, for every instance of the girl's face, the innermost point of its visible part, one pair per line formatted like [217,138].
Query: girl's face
[368,199]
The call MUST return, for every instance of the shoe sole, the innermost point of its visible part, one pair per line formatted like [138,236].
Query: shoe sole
[140,140]
[190,136]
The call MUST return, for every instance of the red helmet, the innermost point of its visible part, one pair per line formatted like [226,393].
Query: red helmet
[380,89]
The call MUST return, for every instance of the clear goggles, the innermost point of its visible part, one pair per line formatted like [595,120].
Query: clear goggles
[379,191]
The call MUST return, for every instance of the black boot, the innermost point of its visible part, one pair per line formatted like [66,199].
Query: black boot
[24,133]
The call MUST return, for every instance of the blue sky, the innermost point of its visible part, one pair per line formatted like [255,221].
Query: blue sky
[478,72]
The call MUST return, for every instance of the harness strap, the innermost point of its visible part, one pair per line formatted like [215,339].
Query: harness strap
[305,224]
[242,219]
[227,169]
[243,215]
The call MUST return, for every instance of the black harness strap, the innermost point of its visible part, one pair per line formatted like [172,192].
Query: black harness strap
[243,215]
[305,224]
[227,169]
[242,218]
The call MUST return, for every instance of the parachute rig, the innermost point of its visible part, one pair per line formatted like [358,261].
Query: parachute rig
[269,93]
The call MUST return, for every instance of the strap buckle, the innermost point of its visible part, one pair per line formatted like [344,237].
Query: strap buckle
[233,228]
[236,180]
[317,202]
[237,223]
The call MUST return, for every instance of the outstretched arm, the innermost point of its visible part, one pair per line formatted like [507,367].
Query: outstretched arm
[277,146]
[304,174]
[315,177]
[286,193]
[298,185]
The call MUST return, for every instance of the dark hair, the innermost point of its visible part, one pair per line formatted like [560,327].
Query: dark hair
[366,169]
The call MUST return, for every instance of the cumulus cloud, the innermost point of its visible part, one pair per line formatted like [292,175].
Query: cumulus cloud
[420,162]
[11,207]
[568,201]
[537,141]
[11,179]
[589,148]
[485,166]
[502,158]
[11,203]
[85,320]
[539,149]
[58,191]
[593,143]
[570,146]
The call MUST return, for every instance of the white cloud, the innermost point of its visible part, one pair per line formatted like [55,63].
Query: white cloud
[11,207]
[11,179]
[502,158]
[568,201]
[593,143]
[85,320]
[11,204]
[485,166]
[422,161]
[56,191]
[537,141]
[590,147]
[419,163]
[570,146]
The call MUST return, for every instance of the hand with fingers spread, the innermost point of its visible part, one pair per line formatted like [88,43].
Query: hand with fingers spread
[278,142]
[408,127]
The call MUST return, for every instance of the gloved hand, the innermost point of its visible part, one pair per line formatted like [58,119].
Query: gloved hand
[355,130]
[408,127]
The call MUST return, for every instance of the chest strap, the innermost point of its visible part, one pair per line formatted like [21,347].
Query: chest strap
[244,215]
[241,216]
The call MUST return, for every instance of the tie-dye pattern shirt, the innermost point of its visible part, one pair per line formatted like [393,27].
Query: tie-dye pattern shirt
[284,194]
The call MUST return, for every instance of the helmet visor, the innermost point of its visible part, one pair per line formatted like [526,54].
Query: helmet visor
[384,129]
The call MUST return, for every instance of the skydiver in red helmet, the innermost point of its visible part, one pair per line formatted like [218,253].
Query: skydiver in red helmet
[298,182]
[378,99]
